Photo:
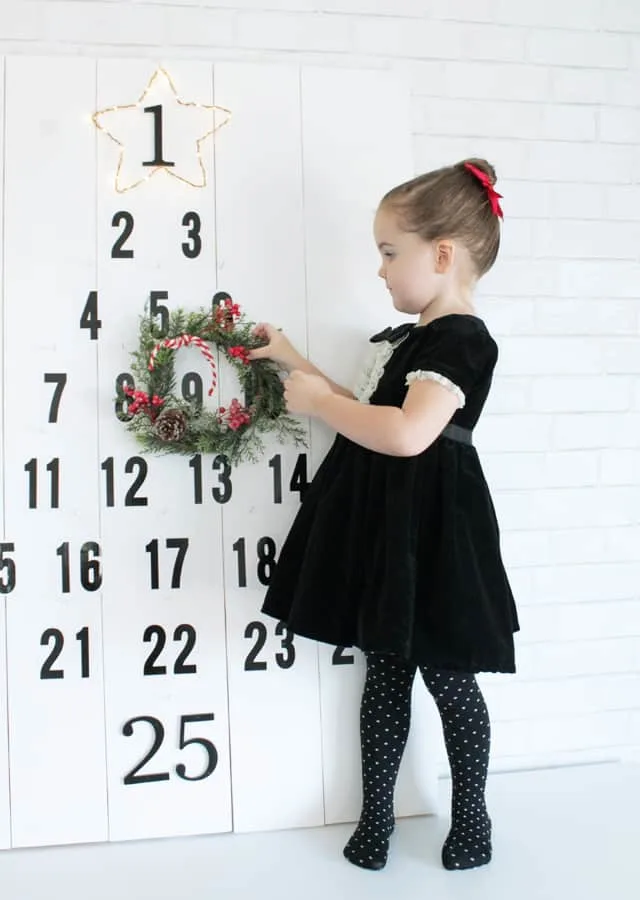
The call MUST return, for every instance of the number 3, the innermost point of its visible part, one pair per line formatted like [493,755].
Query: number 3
[191,220]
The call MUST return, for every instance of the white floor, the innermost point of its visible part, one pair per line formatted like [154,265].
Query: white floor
[562,833]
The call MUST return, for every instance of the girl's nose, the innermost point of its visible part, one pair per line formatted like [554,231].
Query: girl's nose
[381,273]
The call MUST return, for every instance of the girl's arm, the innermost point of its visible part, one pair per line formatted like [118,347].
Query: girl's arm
[280,349]
[303,365]
[406,431]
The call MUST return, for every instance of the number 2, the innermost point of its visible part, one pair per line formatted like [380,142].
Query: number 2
[117,251]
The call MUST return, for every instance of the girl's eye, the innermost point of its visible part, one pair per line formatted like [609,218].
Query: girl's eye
[388,254]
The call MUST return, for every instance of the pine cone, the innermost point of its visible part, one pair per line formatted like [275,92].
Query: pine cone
[171,425]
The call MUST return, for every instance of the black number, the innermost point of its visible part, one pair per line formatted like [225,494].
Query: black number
[129,467]
[63,553]
[285,661]
[212,753]
[83,637]
[60,381]
[339,659]
[275,463]
[179,544]
[155,631]
[223,493]
[240,548]
[192,389]
[131,498]
[54,470]
[117,251]
[299,480]
[124,379]
[89,318]
[7,569]
[259,629]
[152,550]
[157,137]
[220,464]
[159,309]
[158,632]
[191,220]
[189,632]
[195,463]
[251,664]
[46,671]
[158,738]
[266,560]
[90,573]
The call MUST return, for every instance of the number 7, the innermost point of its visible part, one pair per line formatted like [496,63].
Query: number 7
[181,545]
[60,380]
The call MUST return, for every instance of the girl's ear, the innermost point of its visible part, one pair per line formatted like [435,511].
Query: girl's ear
[444,253]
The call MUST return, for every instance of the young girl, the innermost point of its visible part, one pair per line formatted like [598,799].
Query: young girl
[395,548]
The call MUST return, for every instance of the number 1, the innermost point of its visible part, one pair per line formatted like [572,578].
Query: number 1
[157,137]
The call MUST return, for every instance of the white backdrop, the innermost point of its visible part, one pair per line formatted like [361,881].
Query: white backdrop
[144,693]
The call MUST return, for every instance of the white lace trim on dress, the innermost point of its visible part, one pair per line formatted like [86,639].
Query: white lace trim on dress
[421,375]
[368,380]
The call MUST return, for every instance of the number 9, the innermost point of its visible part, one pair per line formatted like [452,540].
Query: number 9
[192,390]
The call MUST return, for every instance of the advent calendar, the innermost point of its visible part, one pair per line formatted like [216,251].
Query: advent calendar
[142,693]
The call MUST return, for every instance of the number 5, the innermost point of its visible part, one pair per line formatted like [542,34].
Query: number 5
[158,309]
[7,570]
[212,753]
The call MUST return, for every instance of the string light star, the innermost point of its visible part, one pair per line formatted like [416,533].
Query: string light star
[160,81]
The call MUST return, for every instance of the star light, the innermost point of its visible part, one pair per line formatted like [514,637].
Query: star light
[126,127]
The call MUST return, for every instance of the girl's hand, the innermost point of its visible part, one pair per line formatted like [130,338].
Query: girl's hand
[304,393]
[278,347]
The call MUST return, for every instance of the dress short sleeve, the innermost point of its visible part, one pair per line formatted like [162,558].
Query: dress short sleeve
[455,351]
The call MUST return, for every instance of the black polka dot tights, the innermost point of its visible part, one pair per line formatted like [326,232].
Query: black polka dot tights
[385,715]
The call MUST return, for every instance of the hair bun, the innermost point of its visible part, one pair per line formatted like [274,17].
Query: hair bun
[484,166]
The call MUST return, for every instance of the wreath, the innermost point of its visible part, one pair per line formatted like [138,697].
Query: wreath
[164,422]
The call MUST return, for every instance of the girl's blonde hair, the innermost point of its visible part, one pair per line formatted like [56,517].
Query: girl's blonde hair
[451,203]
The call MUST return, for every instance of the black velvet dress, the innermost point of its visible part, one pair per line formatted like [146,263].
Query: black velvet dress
[402,554]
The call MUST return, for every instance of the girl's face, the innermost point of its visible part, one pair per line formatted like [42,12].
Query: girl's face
[410,269]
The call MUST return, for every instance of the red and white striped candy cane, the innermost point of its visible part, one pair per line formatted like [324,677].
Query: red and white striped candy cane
[184,340]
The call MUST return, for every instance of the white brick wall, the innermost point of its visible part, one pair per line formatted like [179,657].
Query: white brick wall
[549,91]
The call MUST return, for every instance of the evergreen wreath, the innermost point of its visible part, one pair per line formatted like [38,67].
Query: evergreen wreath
[163,422]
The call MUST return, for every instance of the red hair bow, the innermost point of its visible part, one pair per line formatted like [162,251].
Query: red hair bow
[494,196]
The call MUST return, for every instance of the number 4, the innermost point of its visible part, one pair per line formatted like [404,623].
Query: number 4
[89,318]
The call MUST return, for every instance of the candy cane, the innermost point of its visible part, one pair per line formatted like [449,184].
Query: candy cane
[184,340]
